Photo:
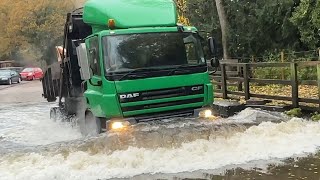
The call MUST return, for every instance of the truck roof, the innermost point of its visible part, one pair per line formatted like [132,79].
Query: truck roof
[130,13]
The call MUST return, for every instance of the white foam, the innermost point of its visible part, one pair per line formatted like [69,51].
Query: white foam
[30,125]
[251,115]
[263,142]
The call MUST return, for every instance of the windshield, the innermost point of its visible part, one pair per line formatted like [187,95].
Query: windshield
[4,73]
[151,50]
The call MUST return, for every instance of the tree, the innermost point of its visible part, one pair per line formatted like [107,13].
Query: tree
[224,27]
[182,10]
[32,25]
[260,27]
[307,19]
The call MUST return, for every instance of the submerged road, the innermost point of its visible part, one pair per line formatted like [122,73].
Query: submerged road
[251,145]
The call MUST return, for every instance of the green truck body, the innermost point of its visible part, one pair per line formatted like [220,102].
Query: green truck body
[137,64]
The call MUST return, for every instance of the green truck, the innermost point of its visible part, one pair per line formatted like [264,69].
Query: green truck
[126,62]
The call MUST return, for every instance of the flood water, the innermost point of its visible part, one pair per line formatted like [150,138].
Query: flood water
[251,145]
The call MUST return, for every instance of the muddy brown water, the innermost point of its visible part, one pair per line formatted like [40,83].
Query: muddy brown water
[251,145]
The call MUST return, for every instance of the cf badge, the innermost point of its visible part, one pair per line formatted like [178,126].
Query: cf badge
[196,88]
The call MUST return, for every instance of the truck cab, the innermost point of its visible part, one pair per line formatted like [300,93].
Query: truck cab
[134,64]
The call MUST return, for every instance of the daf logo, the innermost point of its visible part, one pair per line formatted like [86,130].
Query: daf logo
[196,88]
[129,96]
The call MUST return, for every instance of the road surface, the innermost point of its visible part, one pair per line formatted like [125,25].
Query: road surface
[26,91]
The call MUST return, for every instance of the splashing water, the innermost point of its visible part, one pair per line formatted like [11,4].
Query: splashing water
[29,125]
[182,145]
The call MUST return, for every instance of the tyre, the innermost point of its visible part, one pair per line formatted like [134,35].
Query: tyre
[57,114]
[54,113]
[9,81]
[90,125]
[19,80]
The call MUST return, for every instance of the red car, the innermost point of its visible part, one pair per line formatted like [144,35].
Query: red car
[31,73]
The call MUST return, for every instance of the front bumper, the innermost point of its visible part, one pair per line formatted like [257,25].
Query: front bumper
[26,77]
[3,81]
[195,113]
[121,124]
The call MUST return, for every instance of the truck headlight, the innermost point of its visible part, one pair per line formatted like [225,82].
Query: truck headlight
[118,124]
[205,113]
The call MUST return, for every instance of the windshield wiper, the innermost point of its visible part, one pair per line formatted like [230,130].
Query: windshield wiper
[184,66]
[130,73]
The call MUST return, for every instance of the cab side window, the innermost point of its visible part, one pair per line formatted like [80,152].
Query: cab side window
[93,55]
[191,53]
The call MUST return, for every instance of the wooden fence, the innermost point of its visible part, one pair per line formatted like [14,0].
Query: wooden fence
[244,77]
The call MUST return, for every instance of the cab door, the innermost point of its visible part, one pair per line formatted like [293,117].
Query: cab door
[94,84]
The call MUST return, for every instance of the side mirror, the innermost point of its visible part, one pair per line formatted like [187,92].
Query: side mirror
[83,62]
[12,74]
[213,51]
[215,62]
[212,46]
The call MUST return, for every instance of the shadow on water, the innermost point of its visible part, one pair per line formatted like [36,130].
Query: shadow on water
[299,168]
[293,168]
[304,168]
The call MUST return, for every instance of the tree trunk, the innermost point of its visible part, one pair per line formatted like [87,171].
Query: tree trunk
[224,28]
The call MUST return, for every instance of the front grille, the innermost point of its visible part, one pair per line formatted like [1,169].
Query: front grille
[160,94]
[164,115]
[192,95]
[158,105]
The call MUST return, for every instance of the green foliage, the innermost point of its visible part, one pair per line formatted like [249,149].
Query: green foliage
[306,73]
[272,73]
[256,28]
[294,112]
[306,18]
[32,26]
[315,117]
[259,27]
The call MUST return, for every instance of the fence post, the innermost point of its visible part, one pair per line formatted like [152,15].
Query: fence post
[224,81]
[282,69]
[246,81]
[318,79]
[240,74]
[294,85]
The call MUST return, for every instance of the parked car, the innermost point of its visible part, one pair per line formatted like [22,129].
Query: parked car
[9,77]
[31,73]
[17,69]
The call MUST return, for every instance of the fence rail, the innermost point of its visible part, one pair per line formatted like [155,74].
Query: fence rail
[242,78]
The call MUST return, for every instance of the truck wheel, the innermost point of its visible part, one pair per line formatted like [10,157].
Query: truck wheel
[92,125]
[54,113]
